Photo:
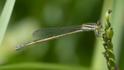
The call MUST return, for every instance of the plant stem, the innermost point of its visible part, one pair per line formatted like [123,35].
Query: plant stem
[108,46]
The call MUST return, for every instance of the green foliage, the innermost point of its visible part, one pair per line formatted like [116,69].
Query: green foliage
[74,52]
[4,18]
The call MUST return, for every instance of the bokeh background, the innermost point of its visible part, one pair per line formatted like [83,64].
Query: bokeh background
[79,51]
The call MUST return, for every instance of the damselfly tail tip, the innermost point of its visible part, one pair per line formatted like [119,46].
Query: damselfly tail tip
[18,47]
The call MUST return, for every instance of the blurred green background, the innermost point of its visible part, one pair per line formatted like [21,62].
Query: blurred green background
[77,51]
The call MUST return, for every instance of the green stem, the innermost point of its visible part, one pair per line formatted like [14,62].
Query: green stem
[98,61]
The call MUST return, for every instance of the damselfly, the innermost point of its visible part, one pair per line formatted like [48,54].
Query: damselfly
[53,33]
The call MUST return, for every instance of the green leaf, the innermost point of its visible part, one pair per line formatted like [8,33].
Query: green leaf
[40,66]
[5,17]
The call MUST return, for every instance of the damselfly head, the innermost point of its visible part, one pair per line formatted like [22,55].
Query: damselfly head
[98,29]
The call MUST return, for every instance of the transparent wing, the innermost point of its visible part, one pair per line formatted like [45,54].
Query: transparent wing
[49,32]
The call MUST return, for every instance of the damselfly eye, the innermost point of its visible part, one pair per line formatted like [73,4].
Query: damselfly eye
[98,29]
